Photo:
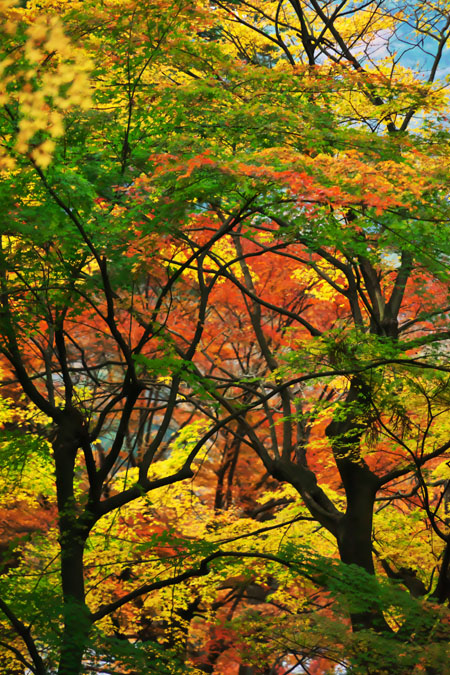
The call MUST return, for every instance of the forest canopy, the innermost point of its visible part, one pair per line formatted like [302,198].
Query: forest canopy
[224,337]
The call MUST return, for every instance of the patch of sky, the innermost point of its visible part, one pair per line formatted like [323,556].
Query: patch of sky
[418,48]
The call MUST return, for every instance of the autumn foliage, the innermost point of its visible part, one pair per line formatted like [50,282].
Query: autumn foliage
[224,338]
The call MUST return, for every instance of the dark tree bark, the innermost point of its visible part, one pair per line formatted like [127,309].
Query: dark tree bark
[70,433]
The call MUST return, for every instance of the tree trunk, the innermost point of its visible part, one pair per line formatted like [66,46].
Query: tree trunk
[355,527]
[72,538]
[77,623]
[354,533]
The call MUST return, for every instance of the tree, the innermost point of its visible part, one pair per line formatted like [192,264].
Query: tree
[234,247]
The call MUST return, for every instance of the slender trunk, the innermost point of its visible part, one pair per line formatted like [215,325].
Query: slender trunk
[76,615]
[72,538]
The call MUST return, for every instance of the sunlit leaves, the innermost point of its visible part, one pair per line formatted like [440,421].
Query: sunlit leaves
[42,78]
